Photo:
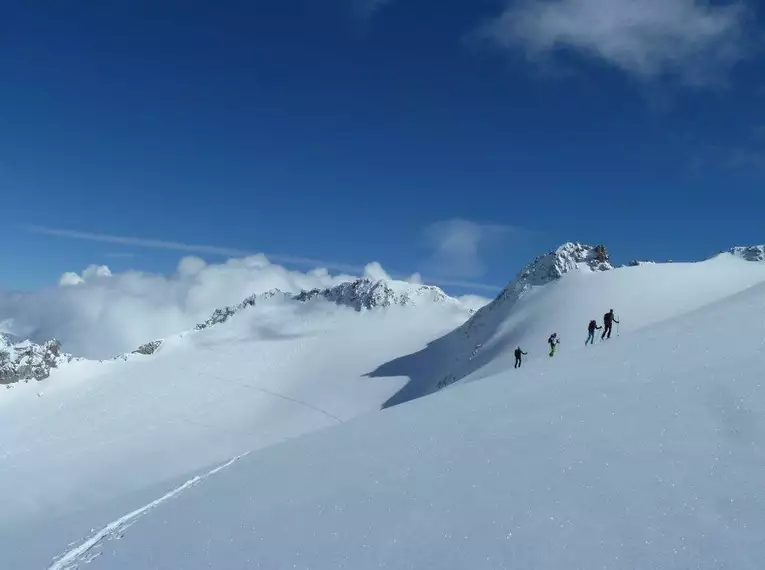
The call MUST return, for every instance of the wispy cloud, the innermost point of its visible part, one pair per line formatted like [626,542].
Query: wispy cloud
[457,246]
[693,40]
[745,155]
[372,270]
[366,9]
[191,248]
[758,132]
[748,158]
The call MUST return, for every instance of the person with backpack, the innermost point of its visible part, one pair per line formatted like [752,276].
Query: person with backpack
[553,341]
[608,321]
[591,328]
[518,354]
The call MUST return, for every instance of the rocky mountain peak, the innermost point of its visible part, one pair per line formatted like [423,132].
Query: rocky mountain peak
[544,269]
[360,294]
[368,294]
[25,360]
[224,314]
[749,253]
[568,257]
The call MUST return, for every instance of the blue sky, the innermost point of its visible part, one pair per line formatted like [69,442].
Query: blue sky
[456,139]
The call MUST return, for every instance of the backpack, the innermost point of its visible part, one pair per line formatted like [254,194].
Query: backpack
[593,325]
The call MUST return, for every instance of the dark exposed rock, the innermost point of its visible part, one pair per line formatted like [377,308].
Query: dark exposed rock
[24,361]
[148,348]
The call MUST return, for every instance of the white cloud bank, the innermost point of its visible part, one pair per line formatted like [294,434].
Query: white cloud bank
[695,40]
[187,247]
[474,302]
[98,314]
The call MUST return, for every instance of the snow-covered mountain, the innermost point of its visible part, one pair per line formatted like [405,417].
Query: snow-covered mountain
[556,263]
[645,451]
[25,360]
[561,292]
[367,294]
[359,295]
[508,464]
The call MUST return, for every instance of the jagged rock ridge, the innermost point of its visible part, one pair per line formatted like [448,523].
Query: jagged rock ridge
[568,257]
[149,347]
[552,266]
[26,360]
[361,294]
[222,315]
[367,294]
[749,253]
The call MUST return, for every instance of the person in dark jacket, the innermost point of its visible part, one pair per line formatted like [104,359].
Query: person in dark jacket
[591,328]
[608,321]
[518,354]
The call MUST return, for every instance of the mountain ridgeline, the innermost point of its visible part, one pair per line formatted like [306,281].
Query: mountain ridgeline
[457,354]
[359,295]
[519,315]
[24,361]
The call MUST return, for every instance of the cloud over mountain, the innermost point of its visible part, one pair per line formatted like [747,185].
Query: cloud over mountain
[99,314]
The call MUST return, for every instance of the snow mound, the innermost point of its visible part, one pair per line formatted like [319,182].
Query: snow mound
[647,452]
[25,360]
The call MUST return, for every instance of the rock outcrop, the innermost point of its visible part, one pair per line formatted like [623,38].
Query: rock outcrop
[25,360]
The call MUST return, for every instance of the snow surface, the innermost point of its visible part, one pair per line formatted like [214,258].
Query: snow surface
[95,431]
[645,451]
[531,308]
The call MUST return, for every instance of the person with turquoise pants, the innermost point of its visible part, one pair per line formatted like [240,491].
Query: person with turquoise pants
[591,330]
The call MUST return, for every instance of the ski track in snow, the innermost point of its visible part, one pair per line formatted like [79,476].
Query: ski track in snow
[281,396]
[295,401]
[84,552]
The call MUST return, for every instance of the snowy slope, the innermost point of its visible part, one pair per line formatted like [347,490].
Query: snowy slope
[274,368]
[561,292]
[645,452]
[119,435]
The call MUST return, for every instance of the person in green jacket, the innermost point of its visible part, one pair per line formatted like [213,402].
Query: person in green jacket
[553,341]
